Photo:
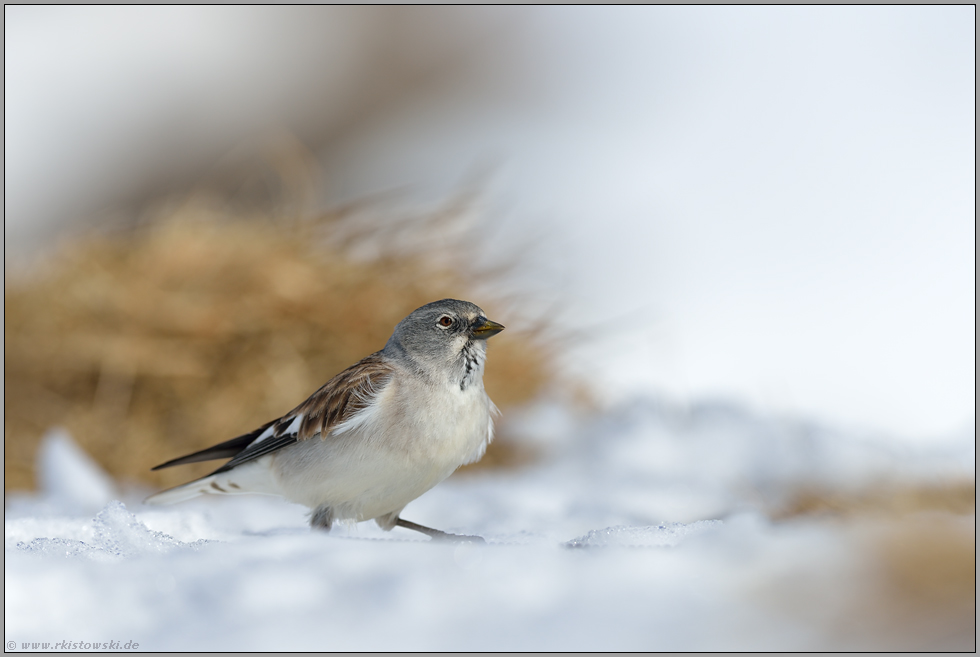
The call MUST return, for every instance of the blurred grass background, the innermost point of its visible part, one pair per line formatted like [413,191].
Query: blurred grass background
[212,315]
[912,584]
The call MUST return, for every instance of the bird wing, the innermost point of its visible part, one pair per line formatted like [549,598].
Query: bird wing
[338,400]
[224,450]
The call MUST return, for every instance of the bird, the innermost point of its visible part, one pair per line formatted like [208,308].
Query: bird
[374,437]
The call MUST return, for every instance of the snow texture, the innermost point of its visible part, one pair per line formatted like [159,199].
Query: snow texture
[665,505]
[666,534]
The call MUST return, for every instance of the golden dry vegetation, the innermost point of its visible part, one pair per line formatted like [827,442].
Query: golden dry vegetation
[914,587]
[151,342]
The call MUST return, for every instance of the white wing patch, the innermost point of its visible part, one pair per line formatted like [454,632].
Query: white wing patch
[271,431]
[293,426]
[265,434]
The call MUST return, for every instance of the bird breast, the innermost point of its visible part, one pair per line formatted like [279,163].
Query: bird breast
[413,436]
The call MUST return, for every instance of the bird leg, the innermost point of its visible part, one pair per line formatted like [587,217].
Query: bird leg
[437,535]
[322,518]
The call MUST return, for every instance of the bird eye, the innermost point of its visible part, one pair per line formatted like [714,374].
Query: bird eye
[445,321]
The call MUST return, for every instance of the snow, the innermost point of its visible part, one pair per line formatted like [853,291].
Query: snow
[70,477]
[641,528]
[666,534]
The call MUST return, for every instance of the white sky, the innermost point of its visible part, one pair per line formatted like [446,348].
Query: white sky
[770,205]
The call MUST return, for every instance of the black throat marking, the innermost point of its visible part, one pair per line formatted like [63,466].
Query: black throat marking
[472,362]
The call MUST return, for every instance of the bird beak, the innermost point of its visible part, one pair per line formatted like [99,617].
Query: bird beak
[484,328]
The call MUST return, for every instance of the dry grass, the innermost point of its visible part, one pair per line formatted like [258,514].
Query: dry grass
[925,590]
[887,499]
[202,324]
[915,587]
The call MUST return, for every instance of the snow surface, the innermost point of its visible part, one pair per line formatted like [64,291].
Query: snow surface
[639,529]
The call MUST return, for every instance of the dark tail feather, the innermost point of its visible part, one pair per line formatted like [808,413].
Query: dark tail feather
[225,450]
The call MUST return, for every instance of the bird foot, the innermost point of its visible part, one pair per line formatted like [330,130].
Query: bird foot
[437,535]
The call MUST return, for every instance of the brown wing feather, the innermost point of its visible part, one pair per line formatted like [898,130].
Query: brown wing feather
[337,400]
[340,397]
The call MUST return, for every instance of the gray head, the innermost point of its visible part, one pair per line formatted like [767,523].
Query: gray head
[444,339]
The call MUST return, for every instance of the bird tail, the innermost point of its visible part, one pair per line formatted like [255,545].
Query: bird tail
[188,491]
[251,477]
